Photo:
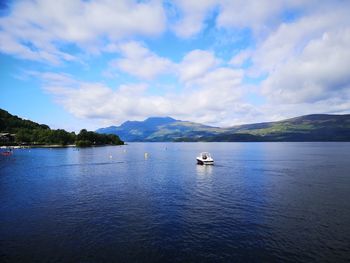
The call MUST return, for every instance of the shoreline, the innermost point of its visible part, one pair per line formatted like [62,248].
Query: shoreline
[53,146]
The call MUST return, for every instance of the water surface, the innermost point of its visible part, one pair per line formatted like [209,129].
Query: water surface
[260,202]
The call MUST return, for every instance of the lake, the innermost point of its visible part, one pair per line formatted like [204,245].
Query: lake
[260,202]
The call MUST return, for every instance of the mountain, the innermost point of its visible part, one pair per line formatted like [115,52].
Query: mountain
[315,127]
[159,129]
[136,130]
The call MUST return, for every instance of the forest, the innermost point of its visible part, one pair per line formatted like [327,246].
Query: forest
[17,131]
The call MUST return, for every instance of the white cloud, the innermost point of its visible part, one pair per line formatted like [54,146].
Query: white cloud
[195,64]
[260,16]
[280,111]
[51,77]
[305,59]
[193,14]
[253,14]
[321,71]
[209,88]
[289,39]
[37,29]
[206,100]
[138,61]
[240,58]
[306,62]
[222,77]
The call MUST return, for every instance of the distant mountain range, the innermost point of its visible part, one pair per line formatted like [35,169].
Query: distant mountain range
[315,127]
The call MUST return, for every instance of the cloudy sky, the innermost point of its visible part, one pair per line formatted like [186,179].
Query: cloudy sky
[88,64]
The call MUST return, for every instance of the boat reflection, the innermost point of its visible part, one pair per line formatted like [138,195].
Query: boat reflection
[204,170]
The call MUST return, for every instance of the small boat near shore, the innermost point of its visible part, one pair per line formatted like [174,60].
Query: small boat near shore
[205,158]
[6,153]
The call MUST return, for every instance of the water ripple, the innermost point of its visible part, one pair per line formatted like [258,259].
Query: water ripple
[258,203]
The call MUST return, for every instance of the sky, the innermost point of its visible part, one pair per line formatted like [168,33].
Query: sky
[76,64]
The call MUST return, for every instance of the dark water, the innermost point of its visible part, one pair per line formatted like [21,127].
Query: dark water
[261,202]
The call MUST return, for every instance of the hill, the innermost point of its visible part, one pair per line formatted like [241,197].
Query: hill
[17,131]
[12,123]
[316,127]
[159,129]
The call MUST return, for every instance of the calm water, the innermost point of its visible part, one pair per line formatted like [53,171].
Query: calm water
[261,202]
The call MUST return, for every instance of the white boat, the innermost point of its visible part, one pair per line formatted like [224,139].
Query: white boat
[205,158]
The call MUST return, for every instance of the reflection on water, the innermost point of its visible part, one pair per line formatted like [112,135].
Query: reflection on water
[260,202]
[204,170]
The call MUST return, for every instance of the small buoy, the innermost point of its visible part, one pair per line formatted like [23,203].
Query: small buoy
[110,157]
[146,155]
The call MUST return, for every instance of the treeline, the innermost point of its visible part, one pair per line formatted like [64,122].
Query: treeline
[62,137]
[89,138]
[16,131]
[44,136]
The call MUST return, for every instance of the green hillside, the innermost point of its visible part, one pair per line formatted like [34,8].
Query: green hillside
[12,123]
[157,129]
[316,127]
[17,131]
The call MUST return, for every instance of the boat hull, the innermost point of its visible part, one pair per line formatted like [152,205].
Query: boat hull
[7,153]
[205,162]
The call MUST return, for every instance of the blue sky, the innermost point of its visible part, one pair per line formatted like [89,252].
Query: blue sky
[89,64]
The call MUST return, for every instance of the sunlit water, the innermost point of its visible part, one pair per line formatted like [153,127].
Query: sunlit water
[260,202]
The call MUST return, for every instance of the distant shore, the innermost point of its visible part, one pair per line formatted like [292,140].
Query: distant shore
[52,146]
